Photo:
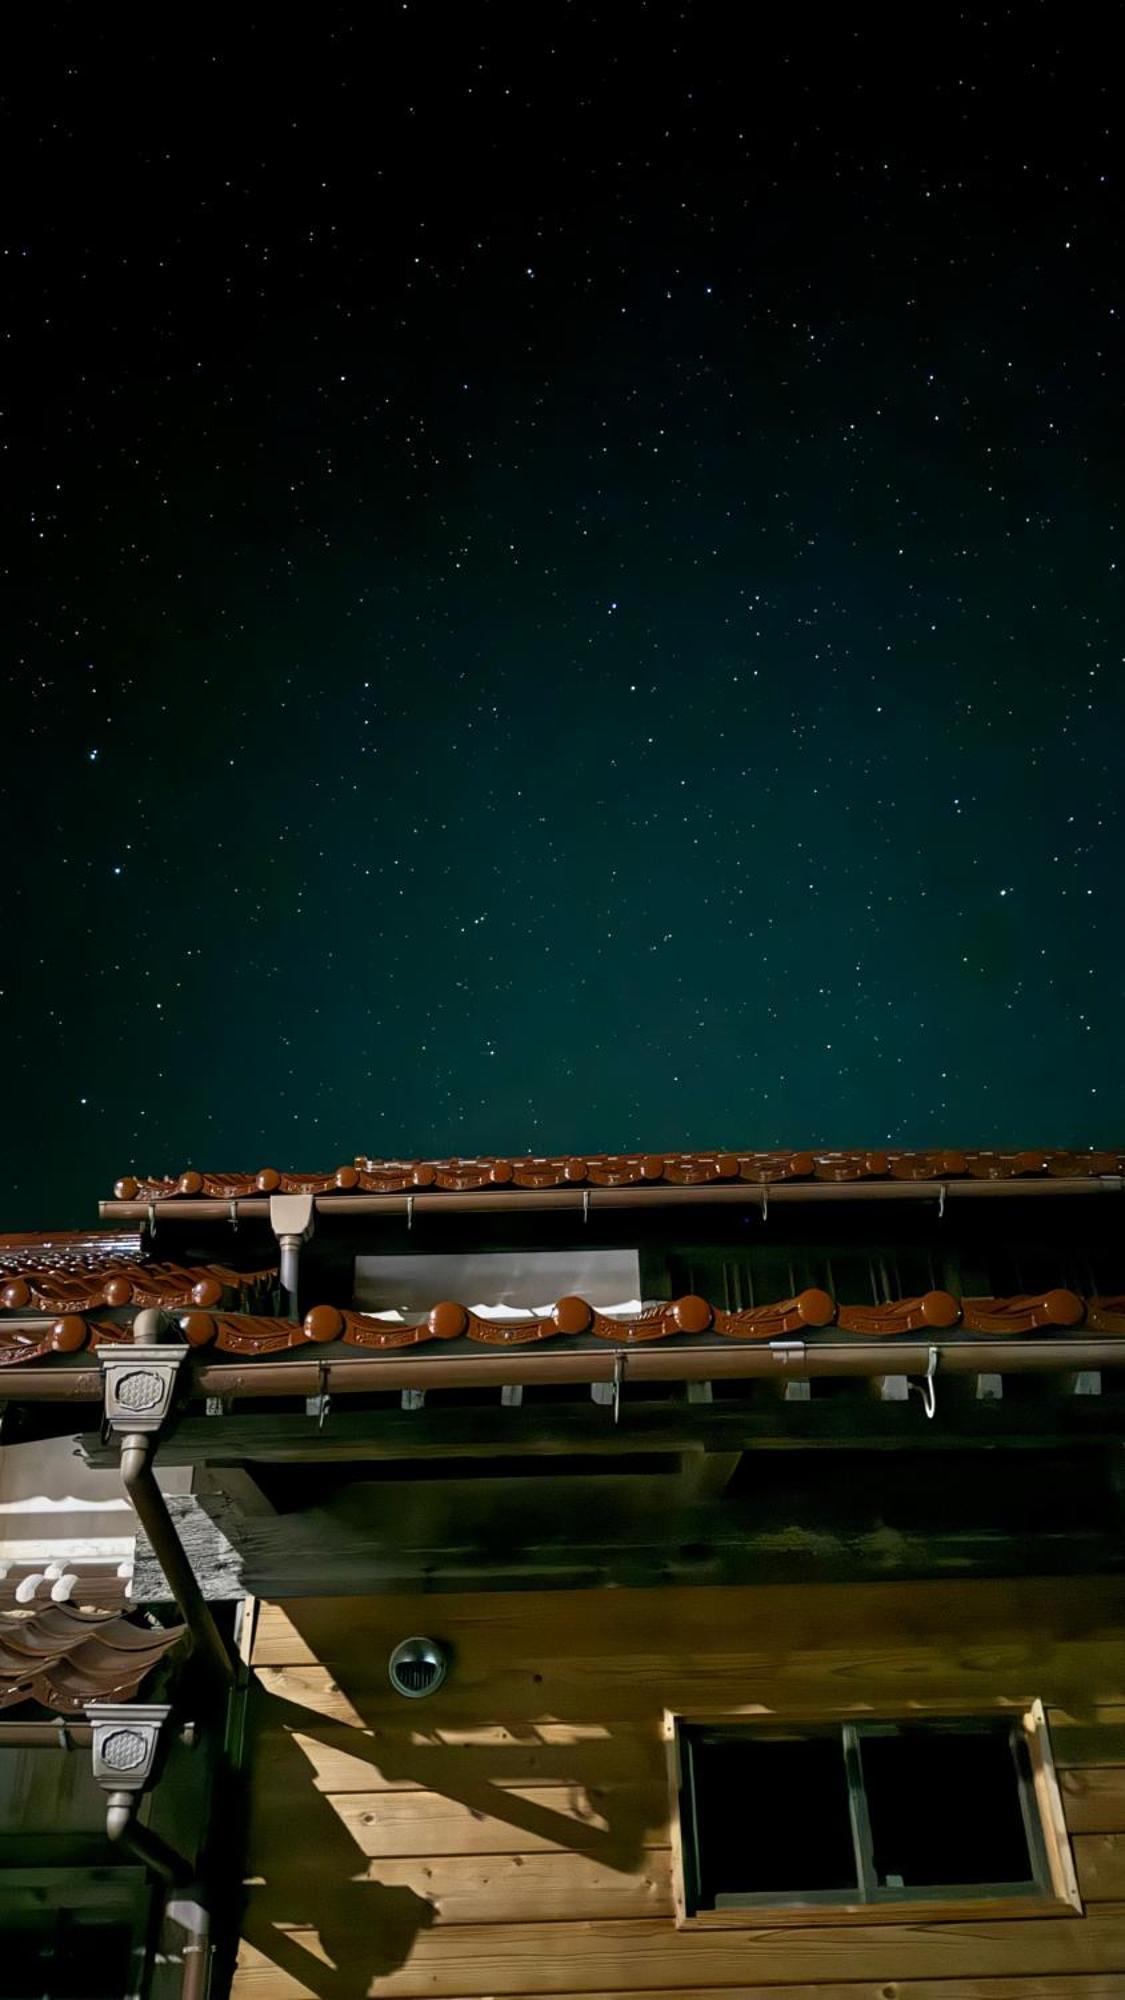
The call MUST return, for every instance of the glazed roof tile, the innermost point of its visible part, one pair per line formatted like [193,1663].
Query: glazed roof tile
[68,1249]
[693,1169]
[39,1274]
[63,1657]
[811,1311]
[86,1584]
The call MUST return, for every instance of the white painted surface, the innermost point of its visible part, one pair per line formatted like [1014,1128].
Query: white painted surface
[54,1508]
[512,1278]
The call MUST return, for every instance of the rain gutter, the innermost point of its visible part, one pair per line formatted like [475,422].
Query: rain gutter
[782,1360]
[581,1200]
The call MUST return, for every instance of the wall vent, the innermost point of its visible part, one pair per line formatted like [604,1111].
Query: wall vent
[417,1667]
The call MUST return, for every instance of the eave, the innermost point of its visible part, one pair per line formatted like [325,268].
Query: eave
[617,1180]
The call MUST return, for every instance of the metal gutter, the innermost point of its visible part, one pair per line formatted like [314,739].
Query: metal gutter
[64,1734]
[777,1361]
[51,1385]
[61,1734]
[580,1200]
[365,1375]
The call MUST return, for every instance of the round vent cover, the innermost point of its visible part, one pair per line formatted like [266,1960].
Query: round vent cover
[417,1667]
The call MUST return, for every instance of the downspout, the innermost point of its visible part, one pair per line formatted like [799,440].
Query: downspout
[139,1384]
[151,1508]
[291,1219]
[194,1919]
[122,1828]
[126,1737]
[187,1910]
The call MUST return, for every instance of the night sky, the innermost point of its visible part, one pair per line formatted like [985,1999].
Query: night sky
[562,586]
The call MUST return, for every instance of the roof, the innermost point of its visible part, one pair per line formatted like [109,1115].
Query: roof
[68,1249]
[811,1312]
[73,1273]
[64,1658]
[88,1583]
[695,1169]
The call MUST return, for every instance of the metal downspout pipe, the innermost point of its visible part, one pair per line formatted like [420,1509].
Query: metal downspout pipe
[139,1385]
[187,1910]
[194,1919]
[151,1508]
[291,1219]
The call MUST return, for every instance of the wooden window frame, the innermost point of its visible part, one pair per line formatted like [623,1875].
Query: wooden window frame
[1048,1838]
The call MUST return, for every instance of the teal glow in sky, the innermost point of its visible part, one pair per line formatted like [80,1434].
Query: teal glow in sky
[562,594]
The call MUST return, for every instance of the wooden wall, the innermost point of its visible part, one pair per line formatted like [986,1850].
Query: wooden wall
[510,1835]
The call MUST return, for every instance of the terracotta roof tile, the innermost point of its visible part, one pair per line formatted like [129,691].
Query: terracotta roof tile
[85,1584]
[809,1312]
[251,1334]
[68,1249]
[28,1283]
[693,1169]
[21,1342]
[63,1657]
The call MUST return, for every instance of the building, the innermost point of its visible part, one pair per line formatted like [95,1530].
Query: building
[673,1574]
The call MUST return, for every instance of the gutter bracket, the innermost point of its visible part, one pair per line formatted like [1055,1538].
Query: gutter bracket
[925,1388]
[789,1352]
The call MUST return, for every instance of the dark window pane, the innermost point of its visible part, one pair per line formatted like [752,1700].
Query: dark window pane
[944,1808]
[771,1818]
[92,1962]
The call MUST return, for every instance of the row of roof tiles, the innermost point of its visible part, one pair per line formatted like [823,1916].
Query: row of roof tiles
[84,1582]
[697,1169]
[29,1284]
[810,1311]
[69,1249]
[64,1657]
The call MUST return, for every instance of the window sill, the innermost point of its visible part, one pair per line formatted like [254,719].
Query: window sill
[802,1916]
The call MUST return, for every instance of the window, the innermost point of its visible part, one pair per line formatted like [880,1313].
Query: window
[66,1959]
[850,1818]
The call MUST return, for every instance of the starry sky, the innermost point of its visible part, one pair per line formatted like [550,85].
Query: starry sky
[561,582]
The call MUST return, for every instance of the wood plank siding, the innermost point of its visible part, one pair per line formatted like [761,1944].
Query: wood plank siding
[511,1834]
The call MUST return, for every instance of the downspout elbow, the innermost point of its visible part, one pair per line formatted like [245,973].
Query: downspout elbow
[118,1814]
[123,1828]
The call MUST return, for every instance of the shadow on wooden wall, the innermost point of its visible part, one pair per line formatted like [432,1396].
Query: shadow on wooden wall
[373,1818]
